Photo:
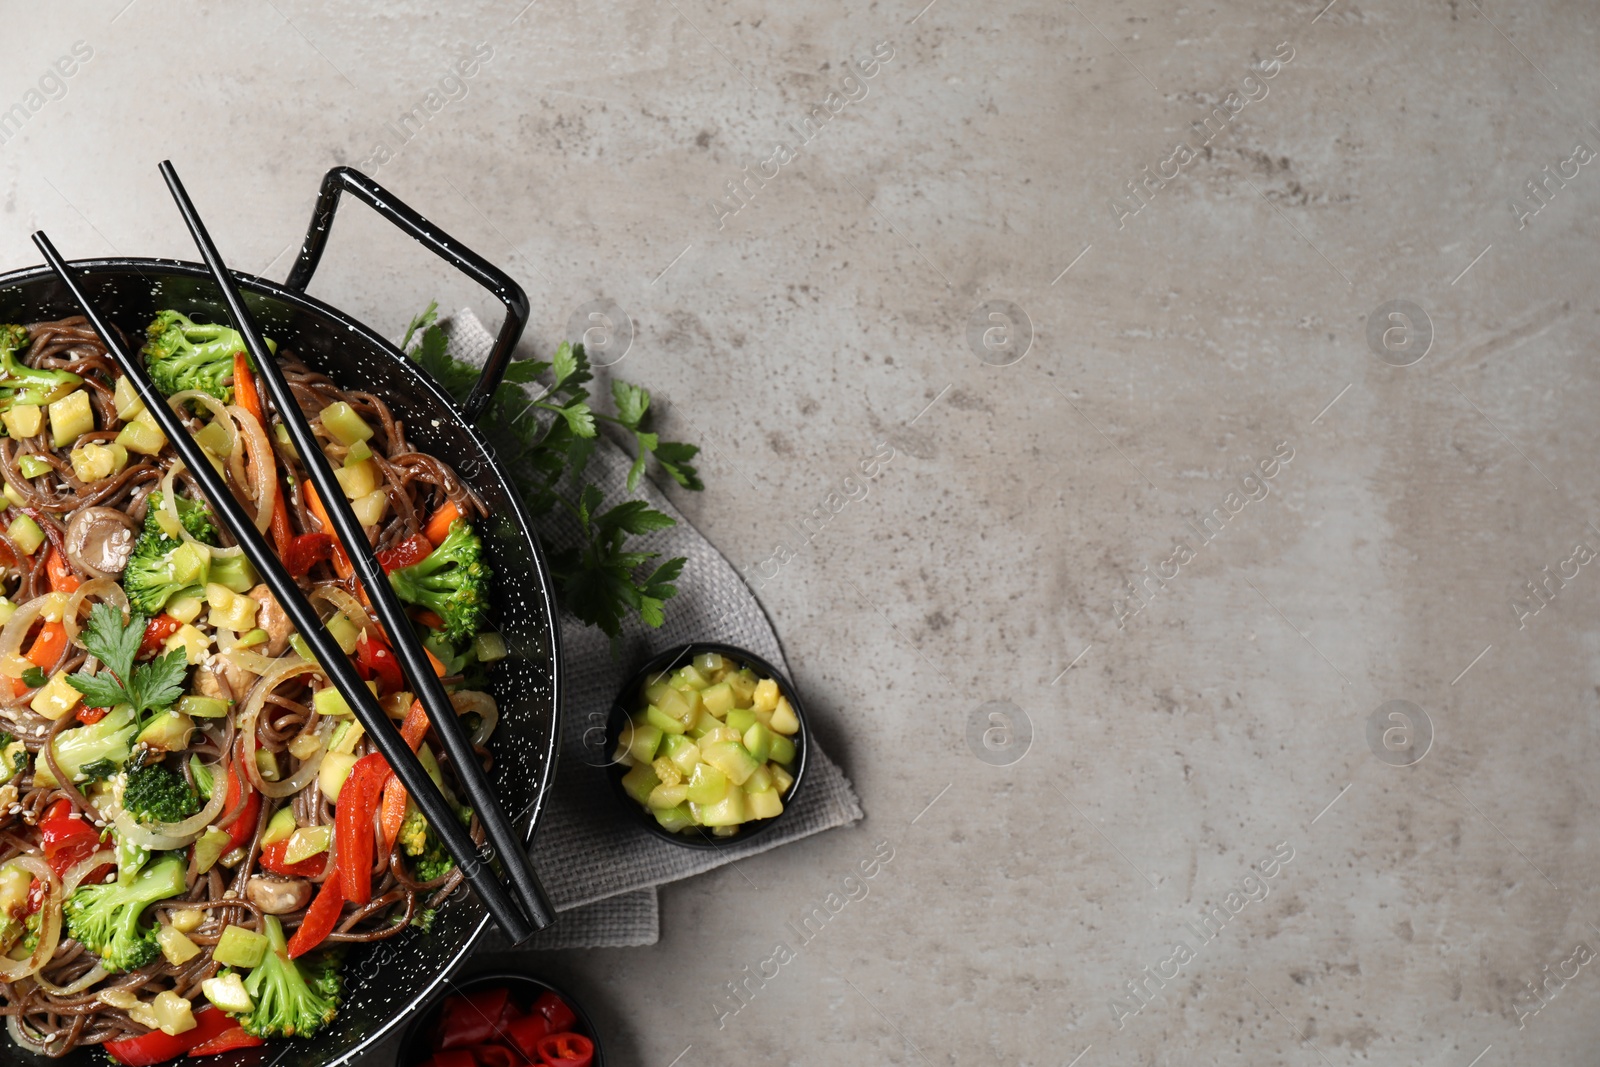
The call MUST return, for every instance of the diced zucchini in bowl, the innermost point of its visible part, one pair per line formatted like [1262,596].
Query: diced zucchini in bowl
[706,745]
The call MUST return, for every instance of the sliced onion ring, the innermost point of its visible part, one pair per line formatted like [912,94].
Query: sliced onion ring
[49,923]
[103,589]
[470,701]
[344,602]
[170,835]
[263,464]
[90,977]
[251,716]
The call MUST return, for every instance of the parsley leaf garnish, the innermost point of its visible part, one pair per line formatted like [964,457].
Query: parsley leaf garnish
[149,687]
[545,441]
[34,677]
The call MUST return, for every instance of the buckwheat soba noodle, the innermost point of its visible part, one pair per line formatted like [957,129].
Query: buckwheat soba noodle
[192,823]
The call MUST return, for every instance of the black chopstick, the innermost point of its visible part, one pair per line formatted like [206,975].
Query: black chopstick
[504,840]
[339,669]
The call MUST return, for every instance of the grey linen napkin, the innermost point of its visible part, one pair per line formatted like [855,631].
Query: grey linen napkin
[599,869]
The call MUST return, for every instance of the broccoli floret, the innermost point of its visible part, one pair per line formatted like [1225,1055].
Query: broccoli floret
[292,998]
[160,568]
[154,793]
[183,354]
[414,833]
[433,859]
[452,581]
[194,514]
[83,746]
[22,384]
[105,918]
[30,932]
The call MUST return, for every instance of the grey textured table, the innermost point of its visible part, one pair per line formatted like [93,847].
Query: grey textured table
[1083,267]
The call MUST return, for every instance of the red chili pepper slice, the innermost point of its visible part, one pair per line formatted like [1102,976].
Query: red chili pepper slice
[413,549]
[157,1047]
[566,1050]
[526,1032]
[557,1011]
[66,838]
[375,659]
[306,551]
[156,631]
[320,919]
[274,859]
[354,827]
[471,1019]
[230,1039]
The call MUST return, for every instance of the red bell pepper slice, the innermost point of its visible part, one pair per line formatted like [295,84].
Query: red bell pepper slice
[375,659]
[67,839]
[413,549]
[90,716]
[230,1039]
[321,918]
[566,1050]
[557,1011]
[354,827]
[244,827]
[495,1056]
[157,1047]
[452,1058]
[306,551]
[274,858]
[471,1019]
[156,631]
[526,1032]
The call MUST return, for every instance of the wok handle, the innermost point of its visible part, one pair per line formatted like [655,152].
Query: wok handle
[347,179]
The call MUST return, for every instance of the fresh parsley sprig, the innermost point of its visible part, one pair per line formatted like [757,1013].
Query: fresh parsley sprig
[547,439]
[148,687]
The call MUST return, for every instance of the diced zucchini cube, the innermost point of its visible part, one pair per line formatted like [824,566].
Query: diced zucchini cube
[765,805]
[639,782]
[683,753]
[642,740]
[782,750]
[675,820]
[664,722]
[729,811]
[707,784]
[741,719]
[70,417]
[731,759]
[784,720]
[758,742]
[239,947]
[718,699]
[766,694]
[667,796]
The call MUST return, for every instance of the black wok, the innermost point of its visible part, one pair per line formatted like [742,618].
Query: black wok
[386,980]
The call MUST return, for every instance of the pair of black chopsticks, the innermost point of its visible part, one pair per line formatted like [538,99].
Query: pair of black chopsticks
[521,909]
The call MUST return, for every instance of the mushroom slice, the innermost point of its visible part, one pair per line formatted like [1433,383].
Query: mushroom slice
[100,540]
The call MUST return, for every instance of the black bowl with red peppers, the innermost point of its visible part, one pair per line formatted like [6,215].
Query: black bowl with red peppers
[501,1020]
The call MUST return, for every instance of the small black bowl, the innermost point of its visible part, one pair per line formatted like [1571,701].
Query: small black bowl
[627,703]
[416,1040]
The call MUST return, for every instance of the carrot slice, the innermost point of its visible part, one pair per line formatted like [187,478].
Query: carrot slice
[341,561]
[438,527]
